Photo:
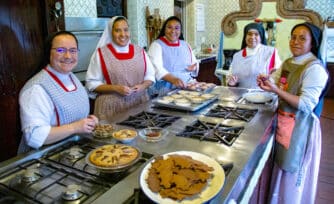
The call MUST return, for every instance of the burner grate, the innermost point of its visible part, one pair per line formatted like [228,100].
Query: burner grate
[237,113]
[211,132]
[51,183]
[149,119]
[56,177]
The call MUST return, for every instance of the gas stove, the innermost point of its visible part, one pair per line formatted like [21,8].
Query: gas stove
[61,175]
[215,132]
[149,119]
[232,112]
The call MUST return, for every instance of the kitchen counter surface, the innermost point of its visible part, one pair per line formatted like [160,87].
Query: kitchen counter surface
[247,153]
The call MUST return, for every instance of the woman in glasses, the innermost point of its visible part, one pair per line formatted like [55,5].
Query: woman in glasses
[119,72]
[172,57]
[254,58]
[53,104]
[301,82]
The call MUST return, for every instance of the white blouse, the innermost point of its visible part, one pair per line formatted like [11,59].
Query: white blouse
[37,111]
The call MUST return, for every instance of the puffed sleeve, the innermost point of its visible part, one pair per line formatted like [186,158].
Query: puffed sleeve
[194,61]
[37,115]
[94,75]
[150,71]
[155,54]
[314,81]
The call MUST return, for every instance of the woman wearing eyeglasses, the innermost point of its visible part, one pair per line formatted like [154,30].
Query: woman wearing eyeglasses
[301,82]
[53,104]
[254,58]
[119,72]
[172,57]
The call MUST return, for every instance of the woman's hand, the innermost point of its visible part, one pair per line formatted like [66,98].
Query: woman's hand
[264,83]
[142,86]
[191,68]
[232,80]
[85,125]
[123,90]
[177,82]
[93,117]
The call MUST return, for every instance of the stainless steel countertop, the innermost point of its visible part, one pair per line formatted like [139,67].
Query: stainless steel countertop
[245,153]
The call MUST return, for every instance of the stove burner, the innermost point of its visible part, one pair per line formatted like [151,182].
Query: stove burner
[72,192]
[149,119]
[232,113]
[30,175]
[211,132]
[73,153]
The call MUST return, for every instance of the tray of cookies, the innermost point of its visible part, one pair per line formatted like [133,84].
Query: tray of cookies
[185,100]
[200,86]
[112,158]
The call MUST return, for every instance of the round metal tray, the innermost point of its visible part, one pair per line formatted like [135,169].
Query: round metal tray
[116,168]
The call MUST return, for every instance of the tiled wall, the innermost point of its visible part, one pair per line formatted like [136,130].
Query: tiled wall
[219,8]
[79,8]
[137,16]
[215,10]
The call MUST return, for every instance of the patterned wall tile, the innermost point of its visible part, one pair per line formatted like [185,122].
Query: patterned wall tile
[137,17]
[215,10]
[79,8]
[326,9]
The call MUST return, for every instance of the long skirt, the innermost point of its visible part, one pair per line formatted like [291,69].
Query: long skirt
[301,186]
[108,105]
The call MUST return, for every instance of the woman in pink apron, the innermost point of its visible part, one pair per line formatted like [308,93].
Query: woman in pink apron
[297,149]
[119,72]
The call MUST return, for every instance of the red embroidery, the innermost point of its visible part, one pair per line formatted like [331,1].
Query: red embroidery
[104,68]
[61,83]
[122,56]
[144,63]
[244,52]
[272,61]
[169,43]
[57,116]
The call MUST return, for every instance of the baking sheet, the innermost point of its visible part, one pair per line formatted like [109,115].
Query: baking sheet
[191,107]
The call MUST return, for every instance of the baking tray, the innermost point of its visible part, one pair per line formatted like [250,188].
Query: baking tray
[192,107]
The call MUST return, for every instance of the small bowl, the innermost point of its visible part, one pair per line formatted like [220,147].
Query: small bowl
[103,131]
[153,134]
[125,135]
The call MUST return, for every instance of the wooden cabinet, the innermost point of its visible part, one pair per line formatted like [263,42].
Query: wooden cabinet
[24,26]
[330,67]
[207,69]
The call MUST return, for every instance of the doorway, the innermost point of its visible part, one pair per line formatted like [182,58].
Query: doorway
[179,11]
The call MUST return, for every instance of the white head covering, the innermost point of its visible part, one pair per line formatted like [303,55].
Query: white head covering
[106,37]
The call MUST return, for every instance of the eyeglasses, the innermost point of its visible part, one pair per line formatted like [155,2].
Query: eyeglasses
[301,39]
[63,50]
[177,28]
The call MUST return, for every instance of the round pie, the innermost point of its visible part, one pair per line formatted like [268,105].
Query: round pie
[113,155]
[125,133]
